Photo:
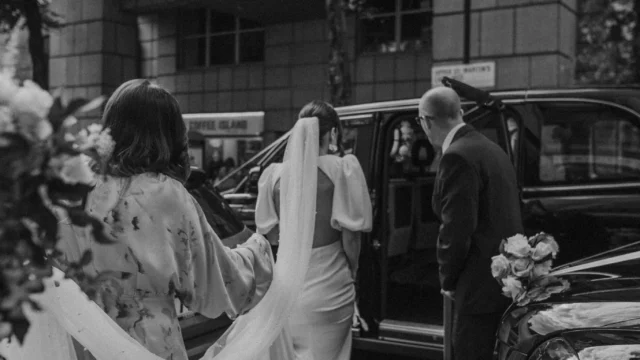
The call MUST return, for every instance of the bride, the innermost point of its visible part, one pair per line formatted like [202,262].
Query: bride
[265,332]
[316,204]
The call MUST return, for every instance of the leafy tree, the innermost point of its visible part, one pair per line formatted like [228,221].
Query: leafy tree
[608,42]
[339,74]
[39,17]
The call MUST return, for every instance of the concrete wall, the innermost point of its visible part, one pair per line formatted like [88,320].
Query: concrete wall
[532,41]
[294,72]
[95,51]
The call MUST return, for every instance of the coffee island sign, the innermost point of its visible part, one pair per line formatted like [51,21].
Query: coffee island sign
[226,124]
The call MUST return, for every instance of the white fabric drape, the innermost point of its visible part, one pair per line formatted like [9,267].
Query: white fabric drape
[68,311]
[263,332]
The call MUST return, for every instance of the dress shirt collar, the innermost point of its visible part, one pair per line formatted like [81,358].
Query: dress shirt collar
[450,135]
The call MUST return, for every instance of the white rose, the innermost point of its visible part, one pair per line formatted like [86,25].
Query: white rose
[542,250]
[74,170]
[105,144]
[43,130]
[8,88]
[521,267]
[6,120]
[94,128]
[30,98]
[33,126]
[512,287]
[541,269]
[70,121]
[499,266]
[518,246]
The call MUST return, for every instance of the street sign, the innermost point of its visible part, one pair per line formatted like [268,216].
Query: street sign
[480,75]
[229,124]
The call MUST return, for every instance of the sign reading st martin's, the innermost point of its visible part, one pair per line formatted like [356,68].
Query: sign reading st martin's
[480,75]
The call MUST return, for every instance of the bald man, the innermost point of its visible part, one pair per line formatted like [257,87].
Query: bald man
[477,201]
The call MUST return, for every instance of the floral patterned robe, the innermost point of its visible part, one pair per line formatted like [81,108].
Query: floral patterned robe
[165,248]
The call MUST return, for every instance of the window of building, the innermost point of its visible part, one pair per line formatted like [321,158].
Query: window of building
[209,38]
[396,26]
[589,143]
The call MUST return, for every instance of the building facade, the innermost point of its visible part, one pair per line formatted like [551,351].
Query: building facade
[271,56]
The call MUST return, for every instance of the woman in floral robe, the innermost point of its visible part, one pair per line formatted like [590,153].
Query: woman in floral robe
[164,246]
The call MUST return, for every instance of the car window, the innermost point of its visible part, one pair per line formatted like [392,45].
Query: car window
[239,176]
[587,143]
[223,220]
[406,140]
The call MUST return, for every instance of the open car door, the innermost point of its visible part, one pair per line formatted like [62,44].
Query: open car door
[411,318]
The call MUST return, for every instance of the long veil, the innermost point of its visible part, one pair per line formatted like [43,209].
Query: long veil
[264,329]
[68,311]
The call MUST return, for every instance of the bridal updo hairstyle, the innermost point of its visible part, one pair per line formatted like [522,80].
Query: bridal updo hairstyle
[327,119]
[148,130]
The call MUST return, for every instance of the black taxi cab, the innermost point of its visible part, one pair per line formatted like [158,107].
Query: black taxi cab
[577,156]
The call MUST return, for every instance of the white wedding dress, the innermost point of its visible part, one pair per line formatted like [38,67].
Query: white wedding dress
[262,333]
[322,319]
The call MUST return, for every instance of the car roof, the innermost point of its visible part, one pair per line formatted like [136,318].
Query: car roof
[617,94]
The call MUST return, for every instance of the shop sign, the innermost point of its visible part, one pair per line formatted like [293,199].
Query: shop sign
[248,123]
[481,75]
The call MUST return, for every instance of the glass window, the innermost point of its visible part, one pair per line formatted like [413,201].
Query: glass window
[212,38]
[396,26]
[222,49]
[381,6]
[221,23]
[193,54]
[588,143]
[378,34]
[252,46]
[193,22]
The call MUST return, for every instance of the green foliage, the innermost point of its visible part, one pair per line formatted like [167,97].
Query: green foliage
[29,192]
[607,42]
[12,10]
[338,70]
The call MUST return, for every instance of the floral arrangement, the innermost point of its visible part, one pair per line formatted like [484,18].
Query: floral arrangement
[45,174]
[523,267]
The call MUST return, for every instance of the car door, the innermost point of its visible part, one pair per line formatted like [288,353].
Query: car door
[410,307]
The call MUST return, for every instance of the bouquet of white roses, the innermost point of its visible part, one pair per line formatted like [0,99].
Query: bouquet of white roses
[523,267]
[44,168]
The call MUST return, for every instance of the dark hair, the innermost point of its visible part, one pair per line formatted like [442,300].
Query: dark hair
[327,118]
[149,133]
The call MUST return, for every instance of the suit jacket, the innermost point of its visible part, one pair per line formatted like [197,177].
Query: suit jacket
[477,200]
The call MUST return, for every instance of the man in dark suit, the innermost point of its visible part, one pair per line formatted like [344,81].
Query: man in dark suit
[477,201]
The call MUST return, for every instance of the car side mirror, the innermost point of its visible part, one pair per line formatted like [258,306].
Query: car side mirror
[422,153]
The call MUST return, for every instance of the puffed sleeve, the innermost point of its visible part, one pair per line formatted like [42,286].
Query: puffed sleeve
[266,214]
[176,248]
[351,202]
